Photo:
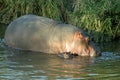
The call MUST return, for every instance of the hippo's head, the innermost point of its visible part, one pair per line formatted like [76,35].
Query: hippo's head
[82,46]
[88,49]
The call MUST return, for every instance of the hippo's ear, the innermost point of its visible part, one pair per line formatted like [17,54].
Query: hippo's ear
[87,39]
[78,36]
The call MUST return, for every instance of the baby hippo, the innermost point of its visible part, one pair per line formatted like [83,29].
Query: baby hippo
[45,35]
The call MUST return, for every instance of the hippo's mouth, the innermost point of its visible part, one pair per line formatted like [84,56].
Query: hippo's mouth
[93,50]
[67,55]
[88,49]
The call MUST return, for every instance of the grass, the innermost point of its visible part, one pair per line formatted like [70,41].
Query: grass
[100,18]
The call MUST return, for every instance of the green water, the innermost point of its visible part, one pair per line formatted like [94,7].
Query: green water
[25,65]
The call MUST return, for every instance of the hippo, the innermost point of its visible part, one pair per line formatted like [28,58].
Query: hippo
[41,34]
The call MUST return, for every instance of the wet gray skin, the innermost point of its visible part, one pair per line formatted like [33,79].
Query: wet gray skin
[42,34]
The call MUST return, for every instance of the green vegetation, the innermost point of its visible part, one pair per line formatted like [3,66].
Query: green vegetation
[100,18]
[2,30]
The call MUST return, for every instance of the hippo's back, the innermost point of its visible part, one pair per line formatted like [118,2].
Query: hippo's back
[29,32]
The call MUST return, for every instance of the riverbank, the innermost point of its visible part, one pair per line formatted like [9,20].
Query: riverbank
[101,19]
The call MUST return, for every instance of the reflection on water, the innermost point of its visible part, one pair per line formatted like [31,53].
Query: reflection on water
[26,65]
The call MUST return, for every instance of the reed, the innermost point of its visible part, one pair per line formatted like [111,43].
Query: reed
[100,18]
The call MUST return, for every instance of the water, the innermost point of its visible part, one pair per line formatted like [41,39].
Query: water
[26,65]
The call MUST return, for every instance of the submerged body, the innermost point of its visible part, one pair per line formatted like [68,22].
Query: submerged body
[42,34]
